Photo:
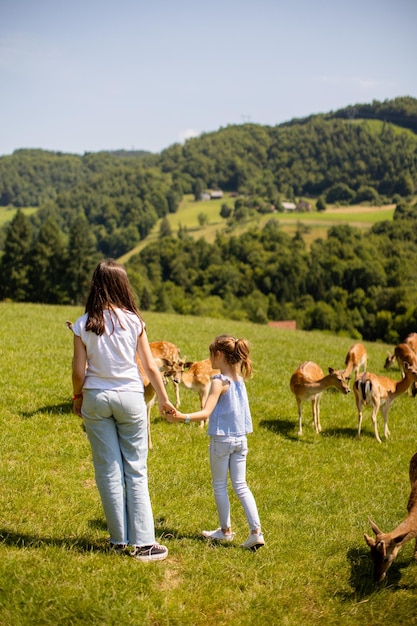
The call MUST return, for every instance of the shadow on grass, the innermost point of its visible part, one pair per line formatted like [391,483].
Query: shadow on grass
[64,408]
[287,429]
[361,579]
[171,533]
[27,541]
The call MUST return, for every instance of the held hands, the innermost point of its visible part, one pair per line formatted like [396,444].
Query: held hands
[175,416]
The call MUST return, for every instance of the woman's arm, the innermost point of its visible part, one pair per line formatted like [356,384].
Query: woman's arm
[79,363]
[154,374]
[216,389]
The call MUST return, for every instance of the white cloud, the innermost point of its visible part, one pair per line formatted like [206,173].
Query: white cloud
[187,134]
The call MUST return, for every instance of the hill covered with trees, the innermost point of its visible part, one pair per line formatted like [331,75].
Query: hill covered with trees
[103,204]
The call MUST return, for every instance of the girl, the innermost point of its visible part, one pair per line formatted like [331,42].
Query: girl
[230,421]
[108,394]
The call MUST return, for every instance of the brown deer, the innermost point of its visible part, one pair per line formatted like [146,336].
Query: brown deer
[410,341]
[403,353]
[356,358]
[379,392]
[167,357]
[171,366]
[308,382]
[197,376]
[385,546]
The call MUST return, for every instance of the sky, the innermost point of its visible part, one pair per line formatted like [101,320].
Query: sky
[82,76]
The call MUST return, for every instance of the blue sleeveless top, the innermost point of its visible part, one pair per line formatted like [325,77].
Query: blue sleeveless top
[231,415]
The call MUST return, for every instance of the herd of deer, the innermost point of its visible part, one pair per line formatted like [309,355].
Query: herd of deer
[307,383]
[378,392]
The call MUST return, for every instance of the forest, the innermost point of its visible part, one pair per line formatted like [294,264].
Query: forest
[103,204]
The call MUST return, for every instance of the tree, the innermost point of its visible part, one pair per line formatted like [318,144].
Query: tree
[47,265]
[165,228]
[82,259]
[15,261]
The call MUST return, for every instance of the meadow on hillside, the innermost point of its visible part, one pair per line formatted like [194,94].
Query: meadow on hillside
[314,494]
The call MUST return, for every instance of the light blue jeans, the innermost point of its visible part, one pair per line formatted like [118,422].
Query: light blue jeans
[116,425]
[229,454]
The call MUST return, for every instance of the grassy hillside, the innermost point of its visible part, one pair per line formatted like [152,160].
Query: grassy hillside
[314,494]
[313,224]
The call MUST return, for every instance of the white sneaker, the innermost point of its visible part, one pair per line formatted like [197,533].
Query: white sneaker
[254,542]
[217,534]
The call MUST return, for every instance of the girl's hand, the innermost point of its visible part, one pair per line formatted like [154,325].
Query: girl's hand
[175,416]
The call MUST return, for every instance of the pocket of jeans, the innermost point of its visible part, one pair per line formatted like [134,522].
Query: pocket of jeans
[220,448]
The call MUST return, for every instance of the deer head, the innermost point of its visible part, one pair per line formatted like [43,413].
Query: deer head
[384,549]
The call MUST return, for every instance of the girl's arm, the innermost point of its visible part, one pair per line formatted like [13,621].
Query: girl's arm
[217,388]
[79,363]
[153,373]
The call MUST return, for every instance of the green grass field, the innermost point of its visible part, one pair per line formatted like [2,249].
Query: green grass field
[314,494]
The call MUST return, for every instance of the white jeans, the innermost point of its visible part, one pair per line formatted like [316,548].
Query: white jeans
[116,425]
[229,454]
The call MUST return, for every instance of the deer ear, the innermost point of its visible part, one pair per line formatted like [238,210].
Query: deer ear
[369,540]
[381,547]
[375,527]
[331,370]
[400,538]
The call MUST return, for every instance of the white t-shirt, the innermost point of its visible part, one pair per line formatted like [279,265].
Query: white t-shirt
[111,357]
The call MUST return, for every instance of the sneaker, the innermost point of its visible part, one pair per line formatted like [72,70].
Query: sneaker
[155,552]
[217,534]
[118,547]
[254,542]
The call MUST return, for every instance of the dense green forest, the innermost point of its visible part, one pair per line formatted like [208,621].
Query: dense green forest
[103,204]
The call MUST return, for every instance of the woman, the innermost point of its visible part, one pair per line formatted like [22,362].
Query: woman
[109,396]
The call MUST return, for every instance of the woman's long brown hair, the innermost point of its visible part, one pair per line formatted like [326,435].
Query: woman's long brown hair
[110,289]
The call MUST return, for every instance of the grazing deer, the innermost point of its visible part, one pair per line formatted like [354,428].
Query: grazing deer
[171,366]
[410,341]
[379,392]
[356,358]
[403,353]
[308,382]
[167,356]
[385,546]
[197,376]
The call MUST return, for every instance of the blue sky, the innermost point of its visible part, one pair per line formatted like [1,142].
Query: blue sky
[87,75]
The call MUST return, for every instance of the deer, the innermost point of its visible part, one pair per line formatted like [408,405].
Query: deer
[308,382]
[356,358]
[379,392]
[168,356]
[197,376]
[403,353]
[410,341]
[386,546]
[171,366]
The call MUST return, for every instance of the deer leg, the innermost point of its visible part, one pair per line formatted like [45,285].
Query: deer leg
[177,394]
[313,408]
[374,421]
[359,407]
[318,425]
[300,418]
[384,411]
